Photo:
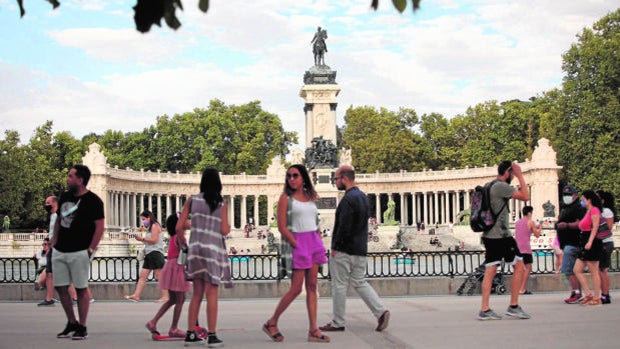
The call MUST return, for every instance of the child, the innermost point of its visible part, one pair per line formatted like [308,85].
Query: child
[555,245]
[172,279]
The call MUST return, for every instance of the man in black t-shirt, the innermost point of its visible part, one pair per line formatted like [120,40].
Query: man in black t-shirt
[77,233]
[567,228]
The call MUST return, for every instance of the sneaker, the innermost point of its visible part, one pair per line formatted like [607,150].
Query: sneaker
[70,328]
[214,342]
[517,312]
[191,339]
[46,303]
[573,299]
[383,321]
[80,333]
[605,299]
[488,315]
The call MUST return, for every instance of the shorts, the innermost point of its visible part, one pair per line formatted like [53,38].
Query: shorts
[309,251]
[595,251]
[154,260]
[605,261]
[48,265]
[71,268]
[527,258]
[568,261]
[498,249]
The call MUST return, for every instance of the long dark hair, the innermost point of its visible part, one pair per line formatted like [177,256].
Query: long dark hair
[309,191]
[211,188]
[591,195]
[171,223]
[152,219]
[608,201]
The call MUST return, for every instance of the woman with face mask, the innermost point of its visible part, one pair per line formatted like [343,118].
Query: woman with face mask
[153,255]
[591,248]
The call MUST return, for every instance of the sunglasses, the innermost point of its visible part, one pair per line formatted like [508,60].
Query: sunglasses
[43,244]
[292,175]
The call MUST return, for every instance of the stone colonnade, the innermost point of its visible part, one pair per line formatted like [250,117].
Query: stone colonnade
[428,196]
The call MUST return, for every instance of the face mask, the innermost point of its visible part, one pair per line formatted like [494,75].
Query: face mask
[145,224]
[48,208]
[583,203]
[568,199]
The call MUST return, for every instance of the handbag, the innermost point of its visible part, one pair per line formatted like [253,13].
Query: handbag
[603,231]
[286,255]
[141,254]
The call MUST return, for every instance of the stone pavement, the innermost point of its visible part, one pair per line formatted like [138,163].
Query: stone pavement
[417,322]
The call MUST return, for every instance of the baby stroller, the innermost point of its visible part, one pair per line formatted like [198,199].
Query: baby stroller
[474,279]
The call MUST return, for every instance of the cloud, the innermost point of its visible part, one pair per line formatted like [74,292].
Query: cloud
[447,56]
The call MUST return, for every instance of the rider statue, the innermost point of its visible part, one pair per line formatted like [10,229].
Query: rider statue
[319,47]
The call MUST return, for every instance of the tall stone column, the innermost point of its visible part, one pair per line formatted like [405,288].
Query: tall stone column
[319,92]
[168,211]
[378,208]
[158,215]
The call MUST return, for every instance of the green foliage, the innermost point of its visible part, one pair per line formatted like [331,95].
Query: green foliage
[384,141]
[233,139]
[589,132]
[150,12]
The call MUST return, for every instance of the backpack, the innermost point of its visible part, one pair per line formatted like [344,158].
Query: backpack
[482,217]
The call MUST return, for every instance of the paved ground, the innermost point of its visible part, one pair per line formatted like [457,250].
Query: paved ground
[417,322]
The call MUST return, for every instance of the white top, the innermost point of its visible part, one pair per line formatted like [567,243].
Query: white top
[304,216]
[50,232]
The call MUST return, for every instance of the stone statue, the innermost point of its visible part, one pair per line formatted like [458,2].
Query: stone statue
[388,215]
[345,157]
[322,153]
[549,209]
[6,224]
[319,47]
[399,245]
[462,218]
[272,247]
[297,156]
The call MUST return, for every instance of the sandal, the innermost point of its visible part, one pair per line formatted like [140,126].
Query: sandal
[313,337]
[176,333]
[277,337]
[586,299]
[151,327]
[131,298]
[594,302]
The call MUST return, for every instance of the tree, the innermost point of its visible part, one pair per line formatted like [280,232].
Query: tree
[150,12]
[589,131]
[381,140]
[234,139]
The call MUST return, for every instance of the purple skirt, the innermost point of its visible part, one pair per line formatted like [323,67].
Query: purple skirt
[309,251]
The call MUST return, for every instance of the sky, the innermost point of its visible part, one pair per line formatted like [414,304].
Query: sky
[85,67]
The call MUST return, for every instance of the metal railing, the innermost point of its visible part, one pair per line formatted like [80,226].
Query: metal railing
[267,266]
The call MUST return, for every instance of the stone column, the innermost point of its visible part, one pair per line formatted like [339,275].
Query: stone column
[178,207]
[256,211]
[150,205]
[319,92]
[415,208]
[141,203]
[378,208]
[244,211]
[168,208]
[158,215]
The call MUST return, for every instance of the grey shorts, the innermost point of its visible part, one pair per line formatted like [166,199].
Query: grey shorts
[71,268]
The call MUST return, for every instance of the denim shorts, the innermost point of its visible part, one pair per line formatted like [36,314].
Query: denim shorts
[568,261]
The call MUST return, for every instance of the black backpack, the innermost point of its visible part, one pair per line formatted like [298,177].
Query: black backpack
[482,217]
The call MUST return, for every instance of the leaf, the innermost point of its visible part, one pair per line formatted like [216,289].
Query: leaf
[203,5]
[400,5]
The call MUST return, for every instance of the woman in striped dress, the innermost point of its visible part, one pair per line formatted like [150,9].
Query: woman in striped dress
[207,259]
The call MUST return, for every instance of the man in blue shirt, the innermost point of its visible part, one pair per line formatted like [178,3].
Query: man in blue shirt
[348,253]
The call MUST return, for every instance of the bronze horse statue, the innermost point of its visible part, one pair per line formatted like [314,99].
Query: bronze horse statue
[319,47]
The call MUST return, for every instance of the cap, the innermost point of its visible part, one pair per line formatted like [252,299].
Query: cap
[569,189]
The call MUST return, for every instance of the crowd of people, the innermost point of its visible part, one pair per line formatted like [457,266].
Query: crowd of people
[584,240]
